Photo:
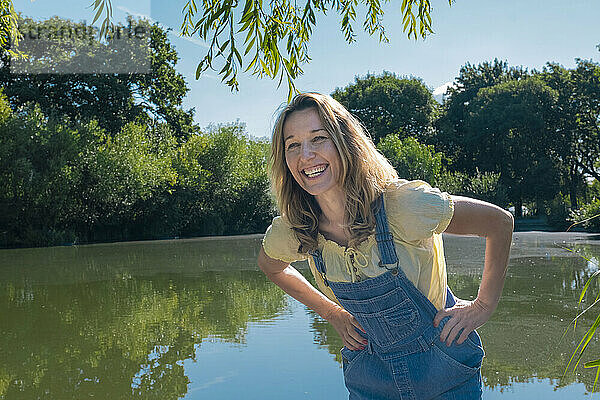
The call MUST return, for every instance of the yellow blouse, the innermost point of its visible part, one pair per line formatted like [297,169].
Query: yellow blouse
[417,215]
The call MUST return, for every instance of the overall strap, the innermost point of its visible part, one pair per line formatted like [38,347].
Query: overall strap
[320,265]
[385,240]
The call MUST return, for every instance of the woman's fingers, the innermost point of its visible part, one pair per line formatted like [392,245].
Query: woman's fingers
[454,331]
[356,336]
[353,339]
[356,324]
[464,335]
[444,335]
[443,313]
[352,344]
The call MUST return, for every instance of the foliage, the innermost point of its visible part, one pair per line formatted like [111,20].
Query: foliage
[484,186]
[63,182]
[576,144]
[131,93]
[588,212]
[509,130]
[9,31]
[451,125]
[231,172]
[37,158]
[557,212]
[411,159]
[214,21]
[386,104]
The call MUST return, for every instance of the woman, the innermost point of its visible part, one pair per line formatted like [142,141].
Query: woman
[373,242]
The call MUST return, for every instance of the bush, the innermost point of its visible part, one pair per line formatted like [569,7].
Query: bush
[411,159]
[483,186]
[557,211]
[590,212]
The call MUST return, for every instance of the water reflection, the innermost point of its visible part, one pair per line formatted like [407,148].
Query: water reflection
[125,320]
[118,324]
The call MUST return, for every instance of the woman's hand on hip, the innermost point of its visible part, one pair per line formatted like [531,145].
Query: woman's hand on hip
[465,316]
[345,324]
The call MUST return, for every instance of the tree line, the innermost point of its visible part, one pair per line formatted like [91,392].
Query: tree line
[503,134]
[87,157]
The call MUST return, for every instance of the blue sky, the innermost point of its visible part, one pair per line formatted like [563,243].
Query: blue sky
[524,33]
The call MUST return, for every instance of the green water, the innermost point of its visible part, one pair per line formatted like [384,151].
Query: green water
[196,319]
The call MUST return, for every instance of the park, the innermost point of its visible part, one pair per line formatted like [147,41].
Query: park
[132,211]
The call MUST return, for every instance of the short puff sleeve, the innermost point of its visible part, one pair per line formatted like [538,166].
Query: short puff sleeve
[281,243]
[416,211]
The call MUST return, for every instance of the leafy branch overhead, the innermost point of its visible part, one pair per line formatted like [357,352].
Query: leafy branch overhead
[272,39]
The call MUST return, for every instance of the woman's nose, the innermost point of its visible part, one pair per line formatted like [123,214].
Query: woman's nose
[307,151]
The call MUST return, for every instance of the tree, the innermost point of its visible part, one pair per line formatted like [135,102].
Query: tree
[411,159]
[450,127]
[113,99]
[386,104]
[509,129]
[276,36]
[577,145]
[8,26]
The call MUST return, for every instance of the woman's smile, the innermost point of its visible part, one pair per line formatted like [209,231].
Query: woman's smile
[315,172]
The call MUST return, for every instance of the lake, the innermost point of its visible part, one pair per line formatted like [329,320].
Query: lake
[197,319]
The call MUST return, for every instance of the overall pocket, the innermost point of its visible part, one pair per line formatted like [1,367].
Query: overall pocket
[467,355]
[350,358]
[391,326]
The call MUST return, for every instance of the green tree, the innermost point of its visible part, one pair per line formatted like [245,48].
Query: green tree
[387,104]
[411,159]
[37,163]
[235,181]
[450,126]
[509,130]
[113,99]
[120,176]
[8,26]
[274,38]
[483,186]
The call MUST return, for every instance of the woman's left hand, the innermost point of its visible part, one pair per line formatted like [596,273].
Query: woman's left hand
[464,315]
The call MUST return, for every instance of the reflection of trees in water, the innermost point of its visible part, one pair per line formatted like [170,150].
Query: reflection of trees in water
[122,337]
[524,339]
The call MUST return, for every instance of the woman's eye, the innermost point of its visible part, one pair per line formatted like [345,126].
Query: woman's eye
[292,146]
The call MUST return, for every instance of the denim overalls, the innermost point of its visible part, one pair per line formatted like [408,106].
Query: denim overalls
[404,358]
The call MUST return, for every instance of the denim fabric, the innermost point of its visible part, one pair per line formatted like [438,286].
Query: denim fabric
[405,358]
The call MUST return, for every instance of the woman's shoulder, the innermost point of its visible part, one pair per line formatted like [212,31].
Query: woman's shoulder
[416,210]
[280,242]
[415,190]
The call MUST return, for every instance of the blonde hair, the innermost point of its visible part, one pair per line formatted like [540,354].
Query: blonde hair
[364,176]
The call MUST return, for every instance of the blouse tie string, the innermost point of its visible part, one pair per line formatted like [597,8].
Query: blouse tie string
[354,260]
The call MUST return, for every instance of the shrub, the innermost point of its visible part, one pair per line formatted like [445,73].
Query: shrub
[482,186]
[411,159]
[590,212]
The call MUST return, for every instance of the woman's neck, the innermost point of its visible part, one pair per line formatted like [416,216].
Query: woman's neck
[332,206]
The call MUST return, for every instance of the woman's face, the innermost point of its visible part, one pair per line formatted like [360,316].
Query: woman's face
[310,153]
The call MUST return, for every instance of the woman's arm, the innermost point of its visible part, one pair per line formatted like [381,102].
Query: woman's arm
[475,217]
[293,283]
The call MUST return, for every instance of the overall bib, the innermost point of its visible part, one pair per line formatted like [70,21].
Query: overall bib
[404,358]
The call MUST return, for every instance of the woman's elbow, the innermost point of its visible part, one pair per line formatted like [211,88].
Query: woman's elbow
[507,221]
[268,265]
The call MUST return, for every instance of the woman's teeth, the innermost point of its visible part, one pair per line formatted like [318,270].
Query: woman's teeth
[312,172]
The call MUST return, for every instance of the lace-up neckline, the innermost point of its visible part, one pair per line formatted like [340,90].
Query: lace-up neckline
[354,259]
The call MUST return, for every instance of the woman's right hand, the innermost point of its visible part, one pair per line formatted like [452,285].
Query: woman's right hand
[345,324]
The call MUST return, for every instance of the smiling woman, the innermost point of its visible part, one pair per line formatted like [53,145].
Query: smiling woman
[374,245]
